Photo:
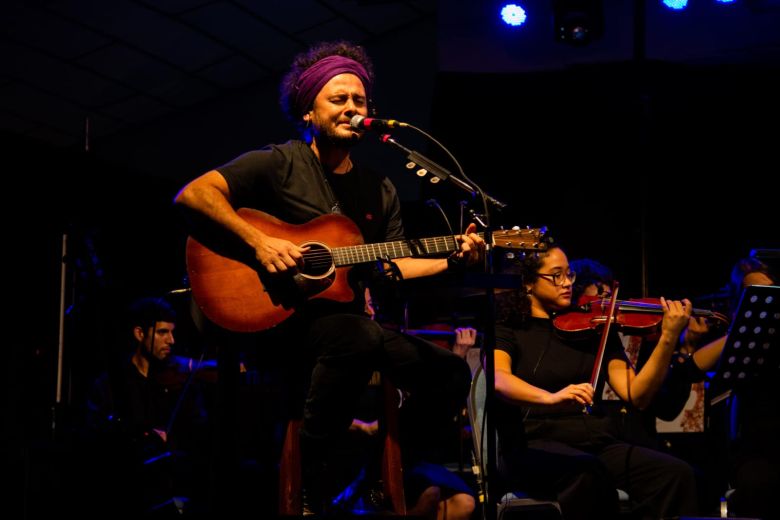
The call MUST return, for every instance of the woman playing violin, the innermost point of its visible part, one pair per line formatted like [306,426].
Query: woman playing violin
[547,446]
[754,453]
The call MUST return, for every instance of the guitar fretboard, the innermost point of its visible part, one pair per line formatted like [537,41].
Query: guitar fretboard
[399,249]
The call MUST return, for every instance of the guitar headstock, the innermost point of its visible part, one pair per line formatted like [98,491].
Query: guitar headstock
[523,239]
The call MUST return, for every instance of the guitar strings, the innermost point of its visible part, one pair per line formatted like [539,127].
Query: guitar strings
[430,245]
[320,257]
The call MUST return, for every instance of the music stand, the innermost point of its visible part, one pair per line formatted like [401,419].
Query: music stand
[752,347]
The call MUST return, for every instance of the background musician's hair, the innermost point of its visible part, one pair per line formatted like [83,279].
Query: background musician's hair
[589,272]
[742,268]
[145,312]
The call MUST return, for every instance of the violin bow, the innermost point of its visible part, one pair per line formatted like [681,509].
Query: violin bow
[594,375]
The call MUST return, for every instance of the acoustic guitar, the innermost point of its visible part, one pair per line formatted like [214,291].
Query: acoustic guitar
[239,295]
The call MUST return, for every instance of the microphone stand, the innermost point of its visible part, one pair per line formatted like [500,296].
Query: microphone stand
[57,406]
[488,347]
[440,173]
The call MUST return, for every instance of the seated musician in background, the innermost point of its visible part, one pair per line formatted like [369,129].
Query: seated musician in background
[593,279]
[151,405]
[754,456]
[300,180]
[548,446]
[431,490]
[459,340]
[746,272]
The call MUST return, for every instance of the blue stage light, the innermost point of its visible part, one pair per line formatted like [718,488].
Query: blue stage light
[677,5]
[513,15]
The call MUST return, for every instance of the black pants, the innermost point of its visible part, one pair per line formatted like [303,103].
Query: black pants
[348,348]
[584,479]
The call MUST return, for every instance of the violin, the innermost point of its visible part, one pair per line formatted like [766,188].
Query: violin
[640,316]
[179,369]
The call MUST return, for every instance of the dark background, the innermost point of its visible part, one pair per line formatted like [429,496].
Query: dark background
[654,155]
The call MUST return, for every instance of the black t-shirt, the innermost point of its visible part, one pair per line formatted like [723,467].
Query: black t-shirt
[288,182]
[541,357]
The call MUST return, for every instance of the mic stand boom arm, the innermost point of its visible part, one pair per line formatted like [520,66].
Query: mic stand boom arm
[439,172]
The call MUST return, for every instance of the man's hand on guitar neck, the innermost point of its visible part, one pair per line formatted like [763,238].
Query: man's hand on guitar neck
[472,247]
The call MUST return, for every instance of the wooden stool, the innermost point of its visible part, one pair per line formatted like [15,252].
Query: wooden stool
[290,482]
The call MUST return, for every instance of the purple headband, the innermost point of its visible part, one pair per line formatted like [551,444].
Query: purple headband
[318,74]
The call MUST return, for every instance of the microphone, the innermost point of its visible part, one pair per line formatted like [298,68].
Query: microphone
[359,122]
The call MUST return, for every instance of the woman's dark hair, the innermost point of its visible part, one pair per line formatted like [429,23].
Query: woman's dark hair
[513,308]
[741,269]
[306,59]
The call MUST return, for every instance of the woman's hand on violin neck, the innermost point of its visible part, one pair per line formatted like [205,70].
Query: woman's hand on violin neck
[676,316]
[581,393]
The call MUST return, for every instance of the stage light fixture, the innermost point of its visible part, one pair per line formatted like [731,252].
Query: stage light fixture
[578,22]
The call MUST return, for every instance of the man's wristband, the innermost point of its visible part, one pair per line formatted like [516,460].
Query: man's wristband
[456,263]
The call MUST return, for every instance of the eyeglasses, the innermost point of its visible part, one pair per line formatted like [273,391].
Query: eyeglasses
[558,279]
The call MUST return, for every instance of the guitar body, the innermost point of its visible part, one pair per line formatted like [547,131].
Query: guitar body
[236,293]
[237,297]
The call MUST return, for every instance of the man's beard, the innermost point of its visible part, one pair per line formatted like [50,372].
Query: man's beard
[329,137]
[154,360]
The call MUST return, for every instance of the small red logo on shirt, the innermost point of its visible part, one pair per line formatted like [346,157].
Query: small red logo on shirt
[369,216]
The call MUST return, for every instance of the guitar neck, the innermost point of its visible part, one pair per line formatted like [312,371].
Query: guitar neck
[365,253]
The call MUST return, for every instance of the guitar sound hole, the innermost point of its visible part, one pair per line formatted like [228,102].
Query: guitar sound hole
[318,260]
